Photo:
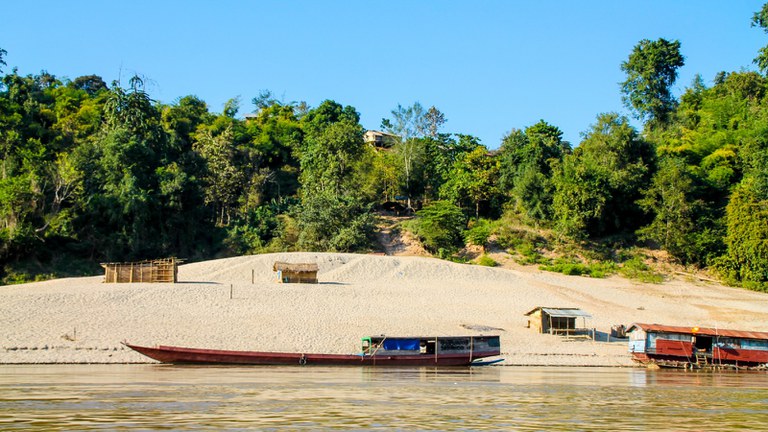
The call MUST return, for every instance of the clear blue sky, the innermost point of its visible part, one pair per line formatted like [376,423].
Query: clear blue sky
[490,66]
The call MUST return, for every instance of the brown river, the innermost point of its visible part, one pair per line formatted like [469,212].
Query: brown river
[159,397]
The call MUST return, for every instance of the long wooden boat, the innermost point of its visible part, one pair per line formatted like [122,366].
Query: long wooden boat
[697,347]
[376,351]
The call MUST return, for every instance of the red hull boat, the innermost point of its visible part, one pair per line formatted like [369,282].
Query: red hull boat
[377,351]
[697,347]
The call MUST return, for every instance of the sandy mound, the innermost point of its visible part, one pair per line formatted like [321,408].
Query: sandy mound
[83,320]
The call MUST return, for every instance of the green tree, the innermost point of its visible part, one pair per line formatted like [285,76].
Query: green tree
[746,260]
[332,146]
[91,84]
[528,159]
[3,53]
[408,124]
[441,226]
[434,120]
[760,19]
[678,225]
[473,180]
[600,182]
[328,222]
[224,180]
[651,71]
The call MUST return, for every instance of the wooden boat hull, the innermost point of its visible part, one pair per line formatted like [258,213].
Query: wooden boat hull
[181,355]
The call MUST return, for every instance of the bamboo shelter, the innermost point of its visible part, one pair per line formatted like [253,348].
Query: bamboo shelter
[296,273]
[163,270]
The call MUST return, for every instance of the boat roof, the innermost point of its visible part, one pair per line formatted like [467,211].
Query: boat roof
[706,331]
[562,312]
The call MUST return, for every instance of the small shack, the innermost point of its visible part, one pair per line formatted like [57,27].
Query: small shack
[296,273]
[159,270]
[558,320]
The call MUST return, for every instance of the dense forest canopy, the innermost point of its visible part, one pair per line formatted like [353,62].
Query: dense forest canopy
[93,172]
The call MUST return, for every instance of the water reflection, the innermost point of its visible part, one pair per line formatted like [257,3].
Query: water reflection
[492,398]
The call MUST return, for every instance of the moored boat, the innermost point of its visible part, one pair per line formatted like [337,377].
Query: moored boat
[697,347]
[376,351]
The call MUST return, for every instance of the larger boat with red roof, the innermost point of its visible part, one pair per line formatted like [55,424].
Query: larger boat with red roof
[697,347]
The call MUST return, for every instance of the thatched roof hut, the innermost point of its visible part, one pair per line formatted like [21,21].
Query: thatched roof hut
[159,270]
[296,273]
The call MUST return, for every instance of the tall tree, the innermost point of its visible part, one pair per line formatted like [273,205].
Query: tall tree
[3,53]
[651,71]
[332,146]
[91,84]
[473,179]
[408,124]
[760,19]
[224,180]
[599,183]
[434,120]
[672,199]
[746,260]
[527,162]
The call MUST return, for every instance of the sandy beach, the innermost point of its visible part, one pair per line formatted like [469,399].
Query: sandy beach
[83,320]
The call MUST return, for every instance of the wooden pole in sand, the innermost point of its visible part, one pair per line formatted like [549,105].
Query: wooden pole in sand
[230,291]
[253,276]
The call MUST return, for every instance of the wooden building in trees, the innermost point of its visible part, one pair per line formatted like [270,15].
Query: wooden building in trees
[159,270]
[379,139]
[296,273]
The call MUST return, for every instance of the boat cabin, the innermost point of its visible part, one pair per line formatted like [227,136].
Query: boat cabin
[383,345]
[700,345]
[554,320]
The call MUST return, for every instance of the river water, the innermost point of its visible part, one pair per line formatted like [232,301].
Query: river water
[163,397]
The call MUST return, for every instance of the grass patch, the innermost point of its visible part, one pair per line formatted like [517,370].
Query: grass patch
[529,254]
[487,261]
[599,269]
[635,268]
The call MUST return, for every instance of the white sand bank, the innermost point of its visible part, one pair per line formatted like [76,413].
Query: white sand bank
[82,320]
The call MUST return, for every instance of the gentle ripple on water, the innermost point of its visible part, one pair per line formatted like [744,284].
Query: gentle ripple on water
[157,397]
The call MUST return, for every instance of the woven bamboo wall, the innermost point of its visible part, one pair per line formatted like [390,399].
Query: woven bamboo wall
[160,270]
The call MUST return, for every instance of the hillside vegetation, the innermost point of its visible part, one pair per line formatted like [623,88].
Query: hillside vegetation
[91,172]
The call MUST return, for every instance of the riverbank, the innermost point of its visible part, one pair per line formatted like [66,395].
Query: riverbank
[216,305]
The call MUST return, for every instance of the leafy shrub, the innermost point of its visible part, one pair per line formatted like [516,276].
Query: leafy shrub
[479,233]
[487,261]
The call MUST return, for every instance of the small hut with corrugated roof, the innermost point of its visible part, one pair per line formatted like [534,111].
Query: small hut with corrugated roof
[557,320]
[296,273]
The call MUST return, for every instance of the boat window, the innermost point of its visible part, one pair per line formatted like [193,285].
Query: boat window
[753,344]
[675,337]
